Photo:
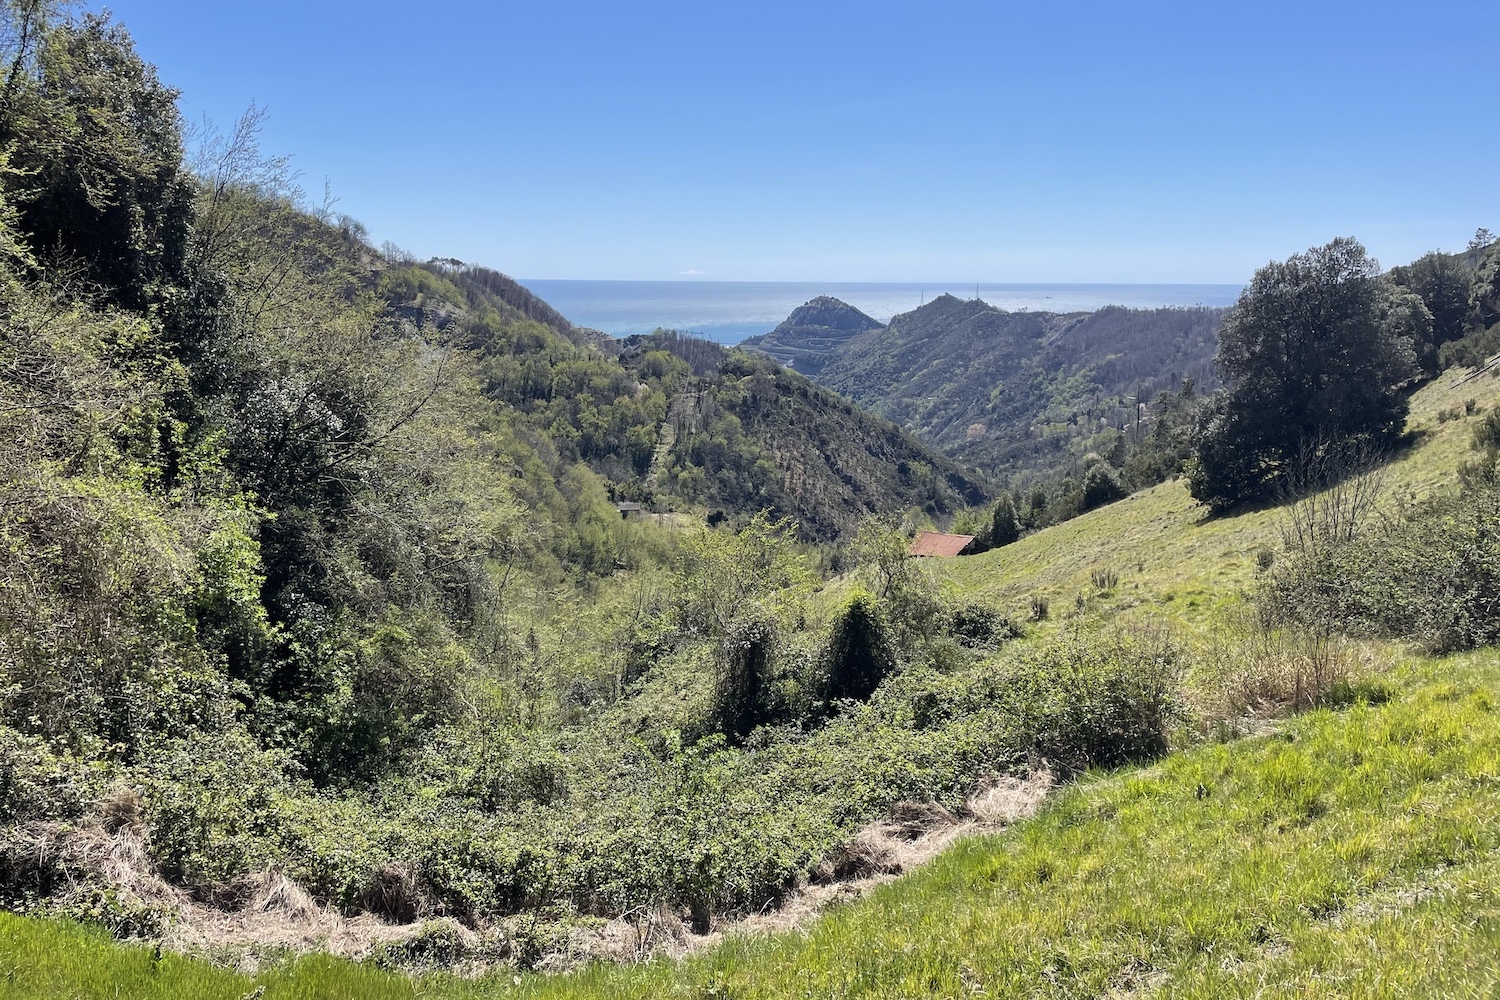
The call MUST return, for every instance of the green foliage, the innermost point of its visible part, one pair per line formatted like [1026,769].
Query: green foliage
[742,666]
[38,783]
[728,577]
[316,548]
[1442,282]
[1484,293]
[96,138]
[859,654]
[980,626]
[1306,359]
[1093,700]
[1430,574]
[1288,853]
[213,800]
[1101,485]
[1005,526]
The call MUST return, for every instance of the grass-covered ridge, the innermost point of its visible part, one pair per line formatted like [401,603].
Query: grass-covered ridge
[1173,558]
[1271,866]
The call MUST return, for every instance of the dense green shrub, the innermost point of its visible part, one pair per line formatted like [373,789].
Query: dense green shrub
[981,626]
[1093,699]
[1430,573]
[742,672]
[37,783]
[213,802]
[859,653]
[1101,485]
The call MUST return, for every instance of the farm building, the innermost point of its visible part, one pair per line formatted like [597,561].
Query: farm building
[936,543]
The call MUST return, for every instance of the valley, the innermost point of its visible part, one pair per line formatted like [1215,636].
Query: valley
[372,626]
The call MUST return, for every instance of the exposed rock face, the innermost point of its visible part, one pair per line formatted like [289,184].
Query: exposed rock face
[814,334]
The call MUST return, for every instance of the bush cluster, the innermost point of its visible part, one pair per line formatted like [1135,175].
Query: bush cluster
[1429,573]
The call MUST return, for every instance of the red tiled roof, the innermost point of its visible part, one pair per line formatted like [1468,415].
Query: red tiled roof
[935,543]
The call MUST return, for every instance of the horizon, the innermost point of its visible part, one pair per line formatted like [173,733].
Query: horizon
[843,142]
[731,311]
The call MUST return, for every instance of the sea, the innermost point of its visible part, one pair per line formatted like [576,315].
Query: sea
[730,311]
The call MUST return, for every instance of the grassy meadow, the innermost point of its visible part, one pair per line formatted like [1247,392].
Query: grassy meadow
[1172,557]
[1353,850]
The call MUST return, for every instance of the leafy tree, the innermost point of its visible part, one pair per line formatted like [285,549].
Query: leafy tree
[1305,358]
[1035,515]
[1481,339]
[97,137]
[1004,525]
[1484,294]
[1441,281]
[1101,485]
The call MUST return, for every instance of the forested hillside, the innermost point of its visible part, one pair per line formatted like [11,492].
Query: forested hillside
[310,561]
[675,422]
[1020,396]
[1041,401]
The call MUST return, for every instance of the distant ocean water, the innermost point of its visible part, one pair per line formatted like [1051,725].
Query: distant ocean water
[730,311]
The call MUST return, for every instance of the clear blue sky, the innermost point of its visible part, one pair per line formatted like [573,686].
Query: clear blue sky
[1046,141]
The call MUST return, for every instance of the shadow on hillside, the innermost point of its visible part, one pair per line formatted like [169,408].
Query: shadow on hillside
[1318,469]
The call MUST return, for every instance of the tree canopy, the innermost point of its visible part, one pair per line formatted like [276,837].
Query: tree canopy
[1307,361]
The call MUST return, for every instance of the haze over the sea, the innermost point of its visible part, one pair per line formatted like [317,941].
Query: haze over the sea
[730,311]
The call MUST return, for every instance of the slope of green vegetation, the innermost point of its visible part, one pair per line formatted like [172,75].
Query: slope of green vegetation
[1265,867]
[310,565]
[309,561]
[1262,864]
[1018,395]
[1172,557]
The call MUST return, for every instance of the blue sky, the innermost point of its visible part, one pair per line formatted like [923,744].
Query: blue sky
[1047,141]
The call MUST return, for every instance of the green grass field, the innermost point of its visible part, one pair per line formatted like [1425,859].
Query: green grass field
[1172,559]
[1350,852]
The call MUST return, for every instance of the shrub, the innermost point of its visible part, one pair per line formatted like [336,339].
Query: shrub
[212,803]
[1039,607]
[979,626]
[1430,574]
[1101,485]
[1487,432]
[859,653]
[742,667]
[1104,579]
[1094,699]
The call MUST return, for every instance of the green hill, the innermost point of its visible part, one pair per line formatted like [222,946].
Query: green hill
[814,334]
[680,423]
[1016,395]
[1265,864]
